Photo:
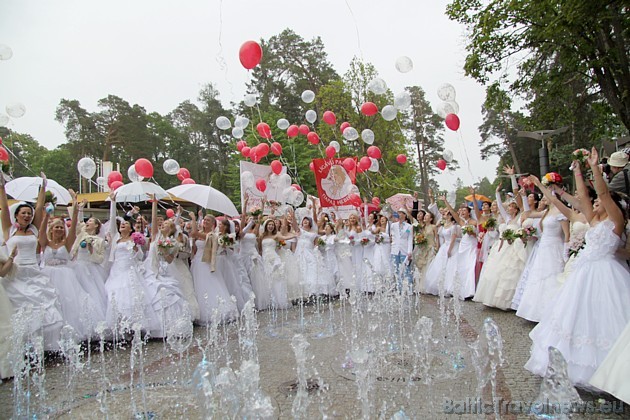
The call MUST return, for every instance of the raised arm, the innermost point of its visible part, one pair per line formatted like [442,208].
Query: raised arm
[456,217]
[603,193]
[41,198]
[504,214]
[478,214]
[5,217]
[113,230]
[43,230]
[566,212]
[72,232]
[154,227]
[582,190]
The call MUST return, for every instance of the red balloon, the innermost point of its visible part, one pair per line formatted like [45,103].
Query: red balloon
[276,148]
[256,158]
[452,121]
[250,54]
[312,137]
[263,130]
[276,167]
[376,201]
[183,174]
[441,164]
[292,131]
[188,181]
[169,212]
[344,125]
[113,177]
[263,149]
[297,187]
[4,155]
[303,129]
[311,166]
[329,118]
[365,163]
[245,151]
[115,185]
[330,151]
[261,185]
[374,152]
[369,109]
[0,140]
[349,164]
[402,159]
[240,144]
[144,168]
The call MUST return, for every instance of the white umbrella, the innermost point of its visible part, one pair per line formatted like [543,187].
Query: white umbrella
[139,191]
[26,188]
[206,197]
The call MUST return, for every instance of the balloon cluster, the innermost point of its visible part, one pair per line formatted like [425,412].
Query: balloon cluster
[448,109]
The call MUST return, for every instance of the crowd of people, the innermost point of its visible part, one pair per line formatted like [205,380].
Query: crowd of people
[554,258]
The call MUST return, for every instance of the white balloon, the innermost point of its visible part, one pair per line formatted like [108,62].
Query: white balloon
[237,132]
[247,179]
[86,167]
[101,180]
[336,145]
[446,92]
[241,122]
[170,166]
[308,96]
[368,136]
[250,100]
[285,181]
[5,52]
[287,194]
[404,64]
[133,175]
[16,110]
[402,100]
[283,124]
[374,167]
[350,134]
[298,198]
[223,123]
[354,190]
[4,120]
[455,107]
[445,108]
[448,156]
[377,86]
[311,116]
[274,179]
[389,112]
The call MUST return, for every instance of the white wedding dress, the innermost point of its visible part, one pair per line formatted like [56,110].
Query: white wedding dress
[590,312]
[275,275]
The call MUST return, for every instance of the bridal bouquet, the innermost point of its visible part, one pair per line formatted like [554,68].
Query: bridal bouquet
[379,239]
[226,240]
[489,224]
[468,230]
[280,244]
[138,239]
[509,236]
[321,243]
[365,241]
[167,246]
[420,239]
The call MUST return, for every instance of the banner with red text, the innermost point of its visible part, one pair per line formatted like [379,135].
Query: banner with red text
[335,184]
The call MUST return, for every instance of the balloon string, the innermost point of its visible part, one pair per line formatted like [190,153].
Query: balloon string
[356,28]
[463,146]
[219,57]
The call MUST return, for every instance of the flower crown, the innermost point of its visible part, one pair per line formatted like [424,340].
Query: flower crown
[551,178]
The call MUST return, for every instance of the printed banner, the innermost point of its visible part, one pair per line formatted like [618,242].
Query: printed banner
[334,183]
[255,196]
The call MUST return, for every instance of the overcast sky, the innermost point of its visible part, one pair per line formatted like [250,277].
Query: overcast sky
[159,53]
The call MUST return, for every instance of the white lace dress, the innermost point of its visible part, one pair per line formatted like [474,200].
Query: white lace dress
[6,330]
[367,273]
[442,268]
[181,271]
[532,250]
[382,254]
[308,262]
[26,286]
[210,289]
[91,273]
[330,266]
[613,374]
[78,308]
[590,312]
[275,274]
[251,260]
[541,286]
[466,262]
[343,249]
[291,269]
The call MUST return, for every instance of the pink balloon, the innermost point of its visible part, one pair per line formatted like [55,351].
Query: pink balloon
[349,164]
[292,131]
[276,167]
[115,185]
[452,122]
[188,181]
[245,151]
[240,144]
[376,201]
[169,212]
[312,137]
[144,168]
[183,174]
[303,129]
[4,155]
[263,149]
[263,130]
[113,177]
[344,125]
[355,200]
[250,54]
[276,148]
[261,185]
[441,164]
[369,109]
[311,166]
[374,152]
[297,187]
[330,118]
[402,159]
[330,151]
